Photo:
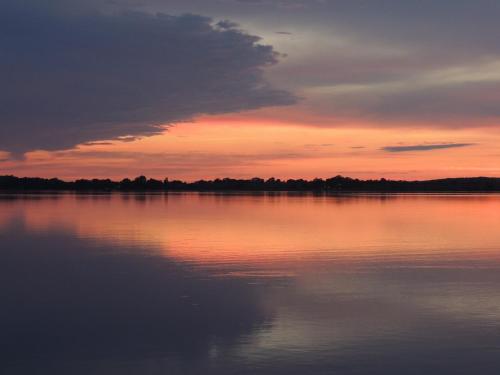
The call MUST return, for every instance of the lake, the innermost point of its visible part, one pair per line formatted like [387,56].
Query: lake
[271,283]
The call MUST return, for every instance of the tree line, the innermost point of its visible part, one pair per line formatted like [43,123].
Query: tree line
[334,184]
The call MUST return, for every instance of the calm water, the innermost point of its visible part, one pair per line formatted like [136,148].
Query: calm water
[249,284]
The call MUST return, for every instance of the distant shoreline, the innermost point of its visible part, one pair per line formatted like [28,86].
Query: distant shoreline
[338,184]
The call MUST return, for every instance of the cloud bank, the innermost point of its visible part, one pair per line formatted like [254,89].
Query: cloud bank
[72,75]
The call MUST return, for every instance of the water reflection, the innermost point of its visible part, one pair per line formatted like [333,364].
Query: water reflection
[66,299]
[272,284]
[247,229]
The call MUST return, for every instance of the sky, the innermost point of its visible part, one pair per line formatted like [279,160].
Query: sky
[200,89]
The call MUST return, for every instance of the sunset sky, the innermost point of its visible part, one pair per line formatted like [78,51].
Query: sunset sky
[198,89]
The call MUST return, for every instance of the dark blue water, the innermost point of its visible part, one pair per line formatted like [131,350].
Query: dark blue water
[210,284]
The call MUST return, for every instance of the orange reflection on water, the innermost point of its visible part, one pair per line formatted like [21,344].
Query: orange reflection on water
[277,228]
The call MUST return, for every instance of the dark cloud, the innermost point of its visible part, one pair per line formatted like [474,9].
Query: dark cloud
[425,147]
[98,143]
[71,75]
